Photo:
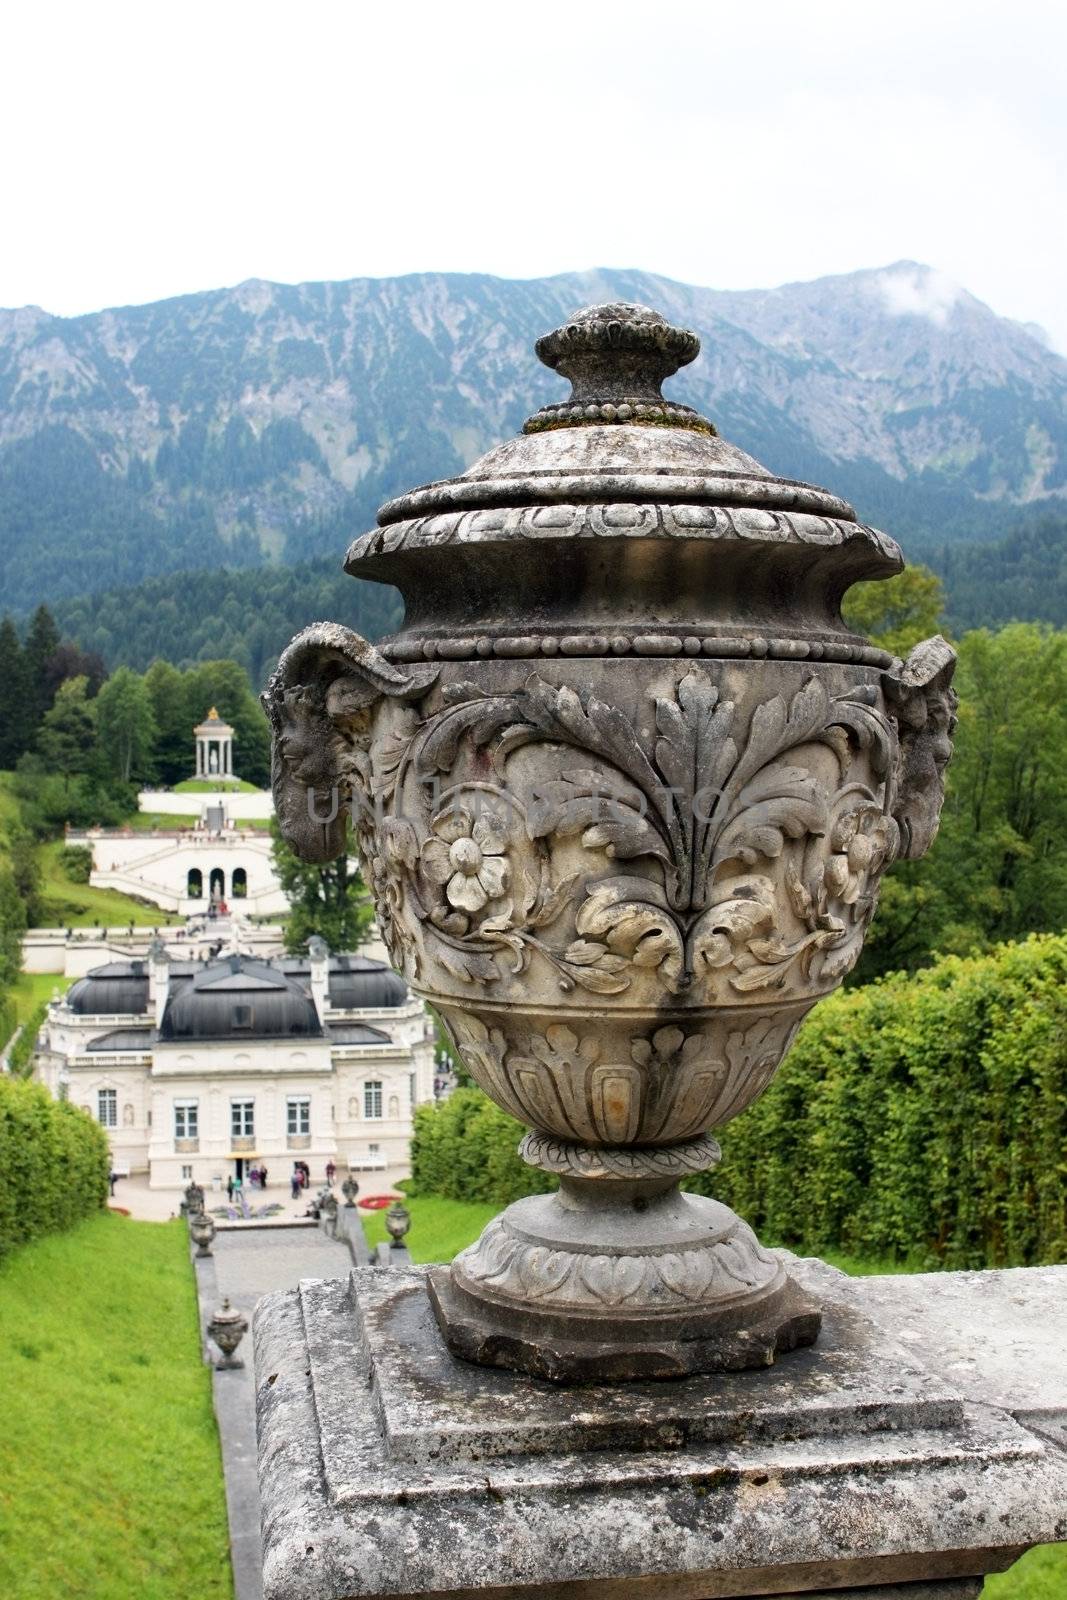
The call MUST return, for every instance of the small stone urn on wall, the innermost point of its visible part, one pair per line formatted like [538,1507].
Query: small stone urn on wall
[228,1327]
[624,786]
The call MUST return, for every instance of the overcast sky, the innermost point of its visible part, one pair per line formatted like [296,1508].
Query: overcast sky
[158,148]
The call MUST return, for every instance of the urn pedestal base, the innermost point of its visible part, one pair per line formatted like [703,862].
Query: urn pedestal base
[918,1443]
[619,1276]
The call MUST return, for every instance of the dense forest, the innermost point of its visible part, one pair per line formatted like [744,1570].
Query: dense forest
[246,615]
[79,740]
[1021,577]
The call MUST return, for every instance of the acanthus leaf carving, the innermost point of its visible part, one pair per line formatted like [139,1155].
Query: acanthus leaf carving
[514,1268]
[712,805]
[663,1087]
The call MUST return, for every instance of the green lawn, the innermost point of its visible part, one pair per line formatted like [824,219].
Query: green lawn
[33,987]
[79,905]
[441,1228]
[112,1480]
[214,786]
[145,821]
[30,989]
[1040,1575]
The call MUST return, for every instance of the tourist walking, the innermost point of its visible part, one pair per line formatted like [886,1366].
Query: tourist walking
[262,1177]
[331,1172]
[229,1188]
[295,1184]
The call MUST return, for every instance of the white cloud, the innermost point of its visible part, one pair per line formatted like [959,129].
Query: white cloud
[918,292]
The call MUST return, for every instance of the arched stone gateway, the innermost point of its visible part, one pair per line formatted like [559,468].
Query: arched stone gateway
[194,883]
[239,884]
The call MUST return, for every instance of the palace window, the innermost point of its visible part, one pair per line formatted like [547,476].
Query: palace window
[298,1115]
[372,1099]
[242,1016]
[187,1174]
[186,1119]
[242,1118]
[107,1108]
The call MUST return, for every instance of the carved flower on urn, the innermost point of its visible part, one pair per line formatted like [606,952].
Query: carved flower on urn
[861,841]
[465,857]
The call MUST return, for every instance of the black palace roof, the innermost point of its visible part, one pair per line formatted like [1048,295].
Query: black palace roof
[355,983]
[118,989]
[136,1040]
[238,998]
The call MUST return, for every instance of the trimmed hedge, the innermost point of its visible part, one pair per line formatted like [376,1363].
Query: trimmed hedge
[54,1161]
[922,1119]
[9,1020]
[465,1149]
[76,860]
[21,1058]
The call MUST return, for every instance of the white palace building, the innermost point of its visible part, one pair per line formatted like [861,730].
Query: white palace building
[201,1069]
[224,858]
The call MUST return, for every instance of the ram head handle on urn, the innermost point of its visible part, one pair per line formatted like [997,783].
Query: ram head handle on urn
[320,703]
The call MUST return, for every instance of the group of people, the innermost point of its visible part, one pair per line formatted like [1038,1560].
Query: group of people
[301,1177]
[257,1178]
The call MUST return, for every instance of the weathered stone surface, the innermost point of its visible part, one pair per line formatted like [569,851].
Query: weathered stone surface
[808,1477]
[434,1408]
[1000,1338]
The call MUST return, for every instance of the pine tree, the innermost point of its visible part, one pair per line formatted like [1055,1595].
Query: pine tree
[68,732]
[174,731]
[42,642]
[16,726]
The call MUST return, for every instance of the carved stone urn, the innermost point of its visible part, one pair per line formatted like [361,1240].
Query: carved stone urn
[228,1327]
[202,1230]
[624,786]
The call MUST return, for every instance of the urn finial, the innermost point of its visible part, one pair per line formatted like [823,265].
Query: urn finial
[617,356]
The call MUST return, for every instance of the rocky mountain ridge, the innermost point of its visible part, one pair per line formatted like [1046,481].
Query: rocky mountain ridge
[269,421]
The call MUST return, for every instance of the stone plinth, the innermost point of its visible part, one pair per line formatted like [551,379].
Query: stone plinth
[919,1443]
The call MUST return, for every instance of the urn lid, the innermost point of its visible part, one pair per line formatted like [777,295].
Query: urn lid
[616,438]
[227,1316]
[621,515]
